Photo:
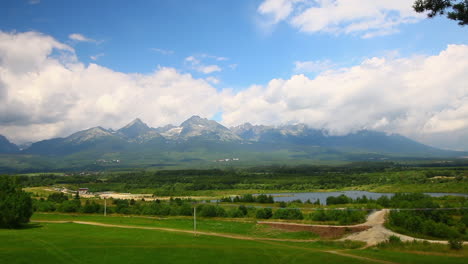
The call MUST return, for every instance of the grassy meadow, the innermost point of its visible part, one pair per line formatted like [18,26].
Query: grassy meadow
[76,243]
[225,226]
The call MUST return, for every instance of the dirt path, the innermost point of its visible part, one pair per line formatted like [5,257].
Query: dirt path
[373,219]
[378,233]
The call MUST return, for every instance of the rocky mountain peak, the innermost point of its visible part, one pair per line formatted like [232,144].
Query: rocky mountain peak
[136,122]
[196,120]
[197,126]
[85,135]
[134,129]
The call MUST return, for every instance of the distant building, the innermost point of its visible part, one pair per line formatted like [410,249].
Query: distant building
[83,190]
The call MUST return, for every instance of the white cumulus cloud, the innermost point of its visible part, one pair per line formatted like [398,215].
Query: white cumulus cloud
[45,92]
[367,18]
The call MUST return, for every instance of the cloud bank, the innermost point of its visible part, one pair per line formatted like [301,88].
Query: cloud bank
[421,94]
[45,91]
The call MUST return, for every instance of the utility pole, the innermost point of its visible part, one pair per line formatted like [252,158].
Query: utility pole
[105,206]
[195,219]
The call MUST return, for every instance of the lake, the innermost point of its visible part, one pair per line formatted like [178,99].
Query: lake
[322,196]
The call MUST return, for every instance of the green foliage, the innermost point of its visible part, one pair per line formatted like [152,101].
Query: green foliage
[70,206]
[57,197]
[394,240]
[459,9]
[288,213]
[249,198]
[42,205]
[92,207]
[342,199]
[456,244]
[208,210]
[298,178]
[15,204]
[429,223]
[343,217]
[264,213]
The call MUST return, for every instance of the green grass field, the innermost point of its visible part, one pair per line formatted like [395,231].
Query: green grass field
[248,227]
[407,257]
[77,243]
[73,243]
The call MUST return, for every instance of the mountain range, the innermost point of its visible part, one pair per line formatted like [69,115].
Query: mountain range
[203,140]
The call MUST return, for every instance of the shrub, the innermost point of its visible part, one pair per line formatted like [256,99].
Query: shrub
[264,213]
[455,244]
[394,240]
[290,213]
[207,210]
[57,197]
[235,213]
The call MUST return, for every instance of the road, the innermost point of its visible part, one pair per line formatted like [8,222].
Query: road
[378,233]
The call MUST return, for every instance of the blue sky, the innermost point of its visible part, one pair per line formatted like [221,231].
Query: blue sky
[235,46]
[128,32]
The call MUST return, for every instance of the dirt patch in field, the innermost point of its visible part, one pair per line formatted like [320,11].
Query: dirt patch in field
[322,231]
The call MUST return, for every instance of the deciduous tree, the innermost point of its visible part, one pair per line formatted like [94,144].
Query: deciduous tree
[15,204]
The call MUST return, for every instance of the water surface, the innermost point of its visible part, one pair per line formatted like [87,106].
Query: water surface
[322,196]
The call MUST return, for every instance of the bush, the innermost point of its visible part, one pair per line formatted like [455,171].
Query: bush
[344,217]
[290,213]
[455,244]
[43,206]
[186,209]
[342,199]
[92,207]
[70,206]
[235,213]
[264,213]
[438,224]
[394,240]
[15,204]
[208,210]
[57,197]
